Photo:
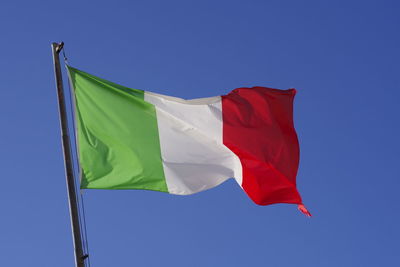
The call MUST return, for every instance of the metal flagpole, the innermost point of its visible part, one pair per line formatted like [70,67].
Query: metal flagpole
[73,207]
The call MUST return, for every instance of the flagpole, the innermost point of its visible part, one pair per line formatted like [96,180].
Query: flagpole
[73,206]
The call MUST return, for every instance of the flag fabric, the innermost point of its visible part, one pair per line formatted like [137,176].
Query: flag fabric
[135,139]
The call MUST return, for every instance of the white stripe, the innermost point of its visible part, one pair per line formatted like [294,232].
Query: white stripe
[194,157]
[75,120]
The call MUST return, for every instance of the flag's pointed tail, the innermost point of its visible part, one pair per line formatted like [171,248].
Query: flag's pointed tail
[304,210]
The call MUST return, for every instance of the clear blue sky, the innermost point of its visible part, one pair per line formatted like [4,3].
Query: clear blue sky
[342,56]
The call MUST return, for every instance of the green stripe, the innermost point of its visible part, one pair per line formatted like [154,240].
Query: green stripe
[118,139]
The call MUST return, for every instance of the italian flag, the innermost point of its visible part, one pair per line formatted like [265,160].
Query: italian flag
[134,139]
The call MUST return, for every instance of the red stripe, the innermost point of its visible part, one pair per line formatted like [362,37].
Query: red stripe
[258,128]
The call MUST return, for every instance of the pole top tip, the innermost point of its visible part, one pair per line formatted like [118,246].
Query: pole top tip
[58,46]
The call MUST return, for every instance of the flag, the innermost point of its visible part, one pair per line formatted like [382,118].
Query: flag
[134,139]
